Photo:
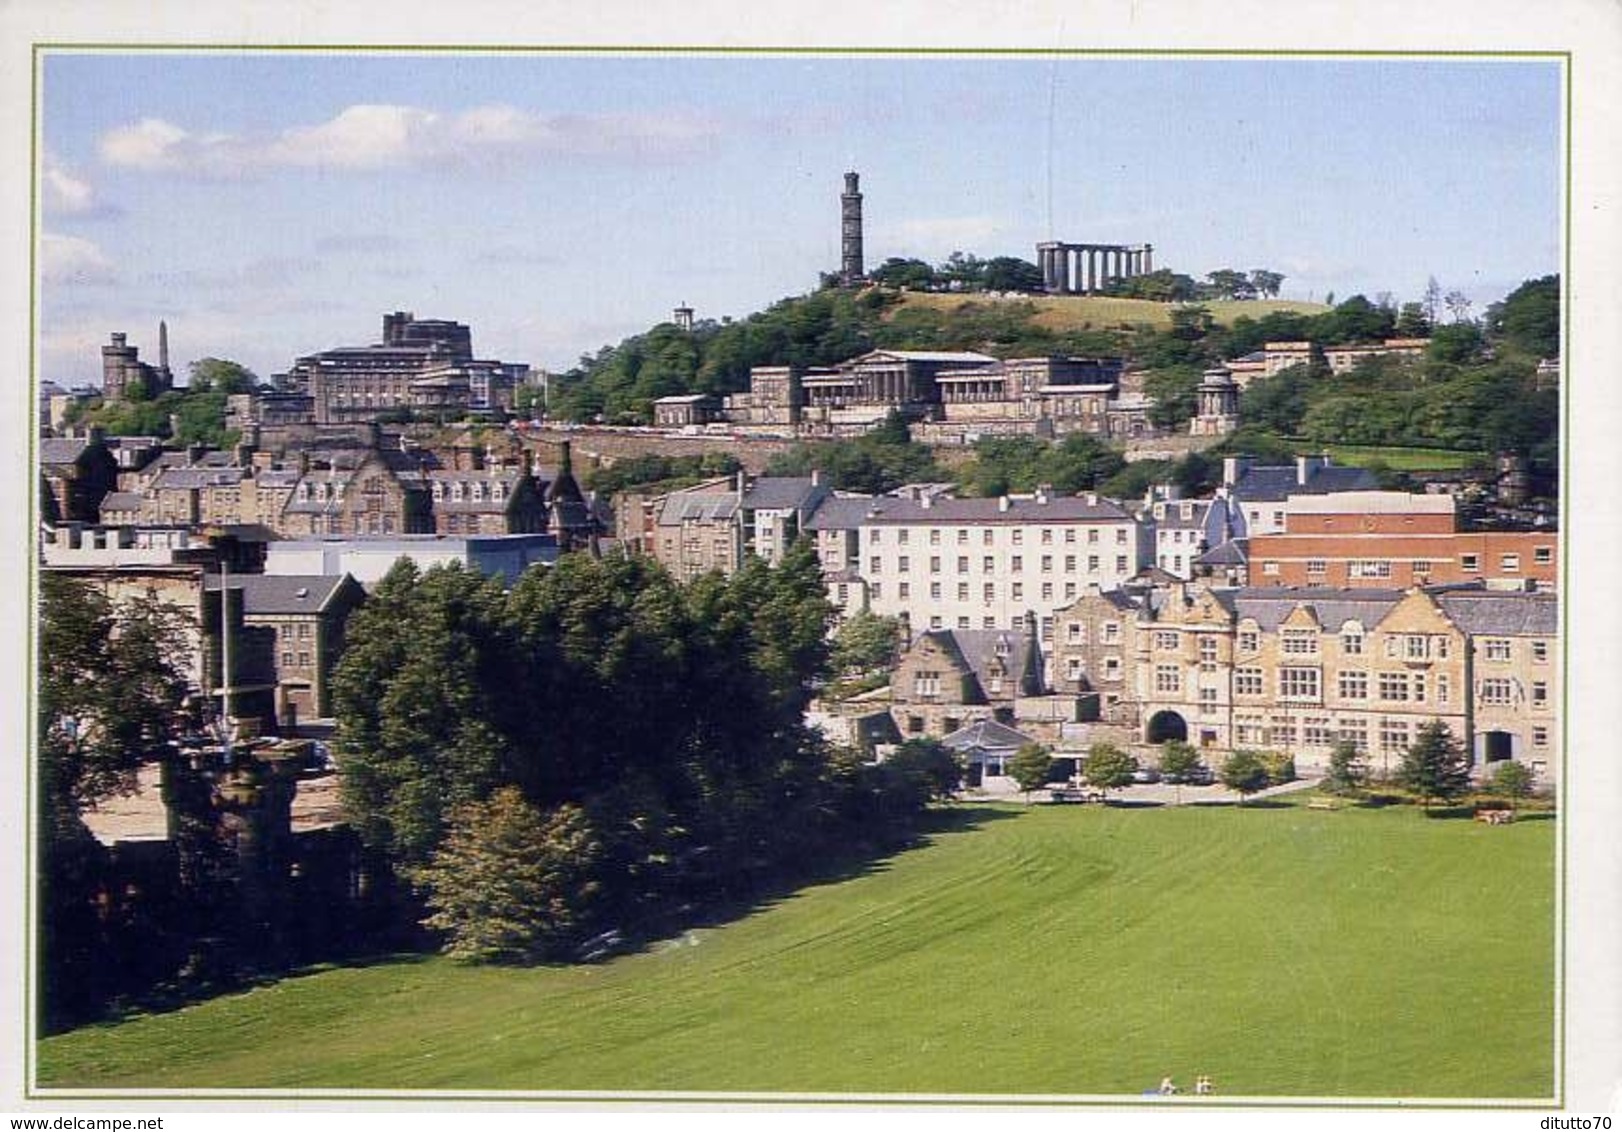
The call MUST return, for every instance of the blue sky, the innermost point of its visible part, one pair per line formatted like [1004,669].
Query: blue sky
[272,205]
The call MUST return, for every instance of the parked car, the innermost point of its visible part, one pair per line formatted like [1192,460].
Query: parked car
[1146,774]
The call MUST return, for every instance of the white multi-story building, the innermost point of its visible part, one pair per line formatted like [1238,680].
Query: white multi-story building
[986,563]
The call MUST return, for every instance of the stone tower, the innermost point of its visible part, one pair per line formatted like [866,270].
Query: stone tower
[1219,404]
[850,232]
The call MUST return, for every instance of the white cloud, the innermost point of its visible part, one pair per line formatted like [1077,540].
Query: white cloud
[71,259]
[379,137]
[64,194]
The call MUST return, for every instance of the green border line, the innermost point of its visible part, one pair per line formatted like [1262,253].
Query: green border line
[31,1091]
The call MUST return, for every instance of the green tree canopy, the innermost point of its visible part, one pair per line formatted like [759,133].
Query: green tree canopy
[1513,780]
[866,643]
[1108,767]
[1435,768]
[1029,767]
[1244,773]
[1348,770]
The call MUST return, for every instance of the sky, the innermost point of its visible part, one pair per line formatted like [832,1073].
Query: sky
[269,205]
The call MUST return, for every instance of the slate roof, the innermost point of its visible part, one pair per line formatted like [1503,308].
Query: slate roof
[1058,509]
[1269,606]
[979,649]
[949,357]
[1489,613]
[62,449]
[782,493]
[281,594]
[1174,514]
[839,513]
[122,501]
[986,735]
[1276,484]
[682,507]
[1234,552]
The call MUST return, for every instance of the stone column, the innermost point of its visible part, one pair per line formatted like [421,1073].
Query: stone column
[1148,259]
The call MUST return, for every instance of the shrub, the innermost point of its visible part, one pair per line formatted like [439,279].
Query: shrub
[1280,767]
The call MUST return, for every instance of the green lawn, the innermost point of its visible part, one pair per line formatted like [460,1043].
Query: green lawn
[1098,312]
[1068,950]
[1402,459]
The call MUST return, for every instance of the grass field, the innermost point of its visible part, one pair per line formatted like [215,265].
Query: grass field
[1081,312]
[1402,459]
[1055,950]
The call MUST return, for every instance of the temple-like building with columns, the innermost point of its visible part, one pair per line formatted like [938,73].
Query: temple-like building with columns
[1085,269]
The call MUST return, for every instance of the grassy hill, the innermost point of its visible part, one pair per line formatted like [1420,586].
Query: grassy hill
[1055,950]
[1061,313]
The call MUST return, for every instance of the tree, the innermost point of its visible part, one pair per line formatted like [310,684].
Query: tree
[1244,773]
[1007,273]
[1435,767]
[930,764]
[1108,767]
[1432,302]
[1514,781]
[1226,283]
[511,884]
[1029,767]
[218,375]
[908,274]
[1528,319]
[1411,321]
[866,643]
[1177,761]
[1266,283]
[1458,305]
[1348,770]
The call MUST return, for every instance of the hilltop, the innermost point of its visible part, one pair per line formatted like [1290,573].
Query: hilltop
[1070,313]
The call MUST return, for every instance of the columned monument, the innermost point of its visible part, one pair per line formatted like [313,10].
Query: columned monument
[1085,269]
[850,232]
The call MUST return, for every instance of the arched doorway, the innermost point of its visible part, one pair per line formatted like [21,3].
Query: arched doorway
[1165,726]
[1497,746]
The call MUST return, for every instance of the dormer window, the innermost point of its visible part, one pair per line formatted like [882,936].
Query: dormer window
[497,491]
[303,493]
[439,492]
[456,492]
[476,492]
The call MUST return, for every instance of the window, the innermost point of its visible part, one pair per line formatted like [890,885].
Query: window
[878,590]
[1540,694]
[1270,569]
[963,591]
[1470,563]
[1092,563]
[1070,534]
[1250,731]
[1540,736]
[1283,731]
[1372,568]
[1168,679]
[1315,732]
[934,591]
[962,565]
[963,623]
[1072,668]
[1421,569]
[1540,652]
[1298,684]
[1542,555]
[1047,536]
[1498,691]
[904,591]
[1419,687]
[1299,642]
[875,565]
[1047,591]
[1016,564]
[1018,591]
[1018,536]
[287,660]
[934,564]
[935,622]
[1047,563]
[1509,563]
[1069,590]
[1247,681]
[1092,536]
[1443,688]
[1249,640]
[1496,649]
[1165,641]
[989,592]
[986,536]
[988,564]
[1353,685]
[1355,732]
[1393,735]
[1120,536]
[1394,686]
[1075,633]
[1208,701]
[1120,564]
[1208,650]
[988,622]
[1112,668]
[926,683]
[935,537]
[903,564]
[1112,632]
[304,658]
[1316,568]
[901,536]
[1047,629]
[1415,647]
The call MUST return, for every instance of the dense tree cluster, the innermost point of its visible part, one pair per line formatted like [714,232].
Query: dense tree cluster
[659,724]
[657,472]
[872,464]
[1002,465]
[192,415]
